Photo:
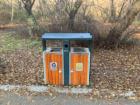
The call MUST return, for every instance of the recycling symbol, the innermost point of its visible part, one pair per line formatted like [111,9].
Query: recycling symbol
[53,65]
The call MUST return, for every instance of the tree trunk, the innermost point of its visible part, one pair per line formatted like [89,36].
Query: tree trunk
[12,11]
[71,23]
[112,11]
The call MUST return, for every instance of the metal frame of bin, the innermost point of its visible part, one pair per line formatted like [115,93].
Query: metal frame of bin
[66,38]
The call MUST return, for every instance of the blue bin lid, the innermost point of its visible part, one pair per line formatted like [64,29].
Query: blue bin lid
[67,36]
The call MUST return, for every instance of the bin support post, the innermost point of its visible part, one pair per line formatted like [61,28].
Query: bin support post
[44,44]
[91,53]
[66,50]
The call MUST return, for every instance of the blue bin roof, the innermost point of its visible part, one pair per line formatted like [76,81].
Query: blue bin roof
[67,36]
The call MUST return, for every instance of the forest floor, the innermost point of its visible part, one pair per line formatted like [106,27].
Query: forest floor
[112,72]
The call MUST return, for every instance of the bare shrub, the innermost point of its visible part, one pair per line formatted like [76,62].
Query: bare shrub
[125,19]
[4,17]
[22,30]
[108,23]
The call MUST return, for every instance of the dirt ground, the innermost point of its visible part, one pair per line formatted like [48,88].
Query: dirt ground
[115,70]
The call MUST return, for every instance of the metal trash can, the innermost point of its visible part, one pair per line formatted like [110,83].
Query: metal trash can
[79,66]
[67,65]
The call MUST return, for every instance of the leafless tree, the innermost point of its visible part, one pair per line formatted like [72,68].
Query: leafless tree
[28,5]
[33,25]
[71,8]
[126,17]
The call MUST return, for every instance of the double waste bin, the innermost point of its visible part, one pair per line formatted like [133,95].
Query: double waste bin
[67,65]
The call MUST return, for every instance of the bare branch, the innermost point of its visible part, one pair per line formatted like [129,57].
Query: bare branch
[32,3]
[122,8]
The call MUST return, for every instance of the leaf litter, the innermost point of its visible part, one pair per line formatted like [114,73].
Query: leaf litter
[113,71]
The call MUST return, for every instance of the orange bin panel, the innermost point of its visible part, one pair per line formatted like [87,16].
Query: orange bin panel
[79,69]
[53,63]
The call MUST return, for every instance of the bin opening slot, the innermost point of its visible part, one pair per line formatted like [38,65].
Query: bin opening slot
[54,50]
[79,49]
[66,45]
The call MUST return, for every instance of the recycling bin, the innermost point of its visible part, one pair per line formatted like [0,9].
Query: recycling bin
[67,65]
[53,66]
[79,66]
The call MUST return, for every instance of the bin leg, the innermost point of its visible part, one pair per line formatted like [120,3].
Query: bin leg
[44,45]
[91,59]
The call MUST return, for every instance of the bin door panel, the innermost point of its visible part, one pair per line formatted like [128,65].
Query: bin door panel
[54,68]
[79,69]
